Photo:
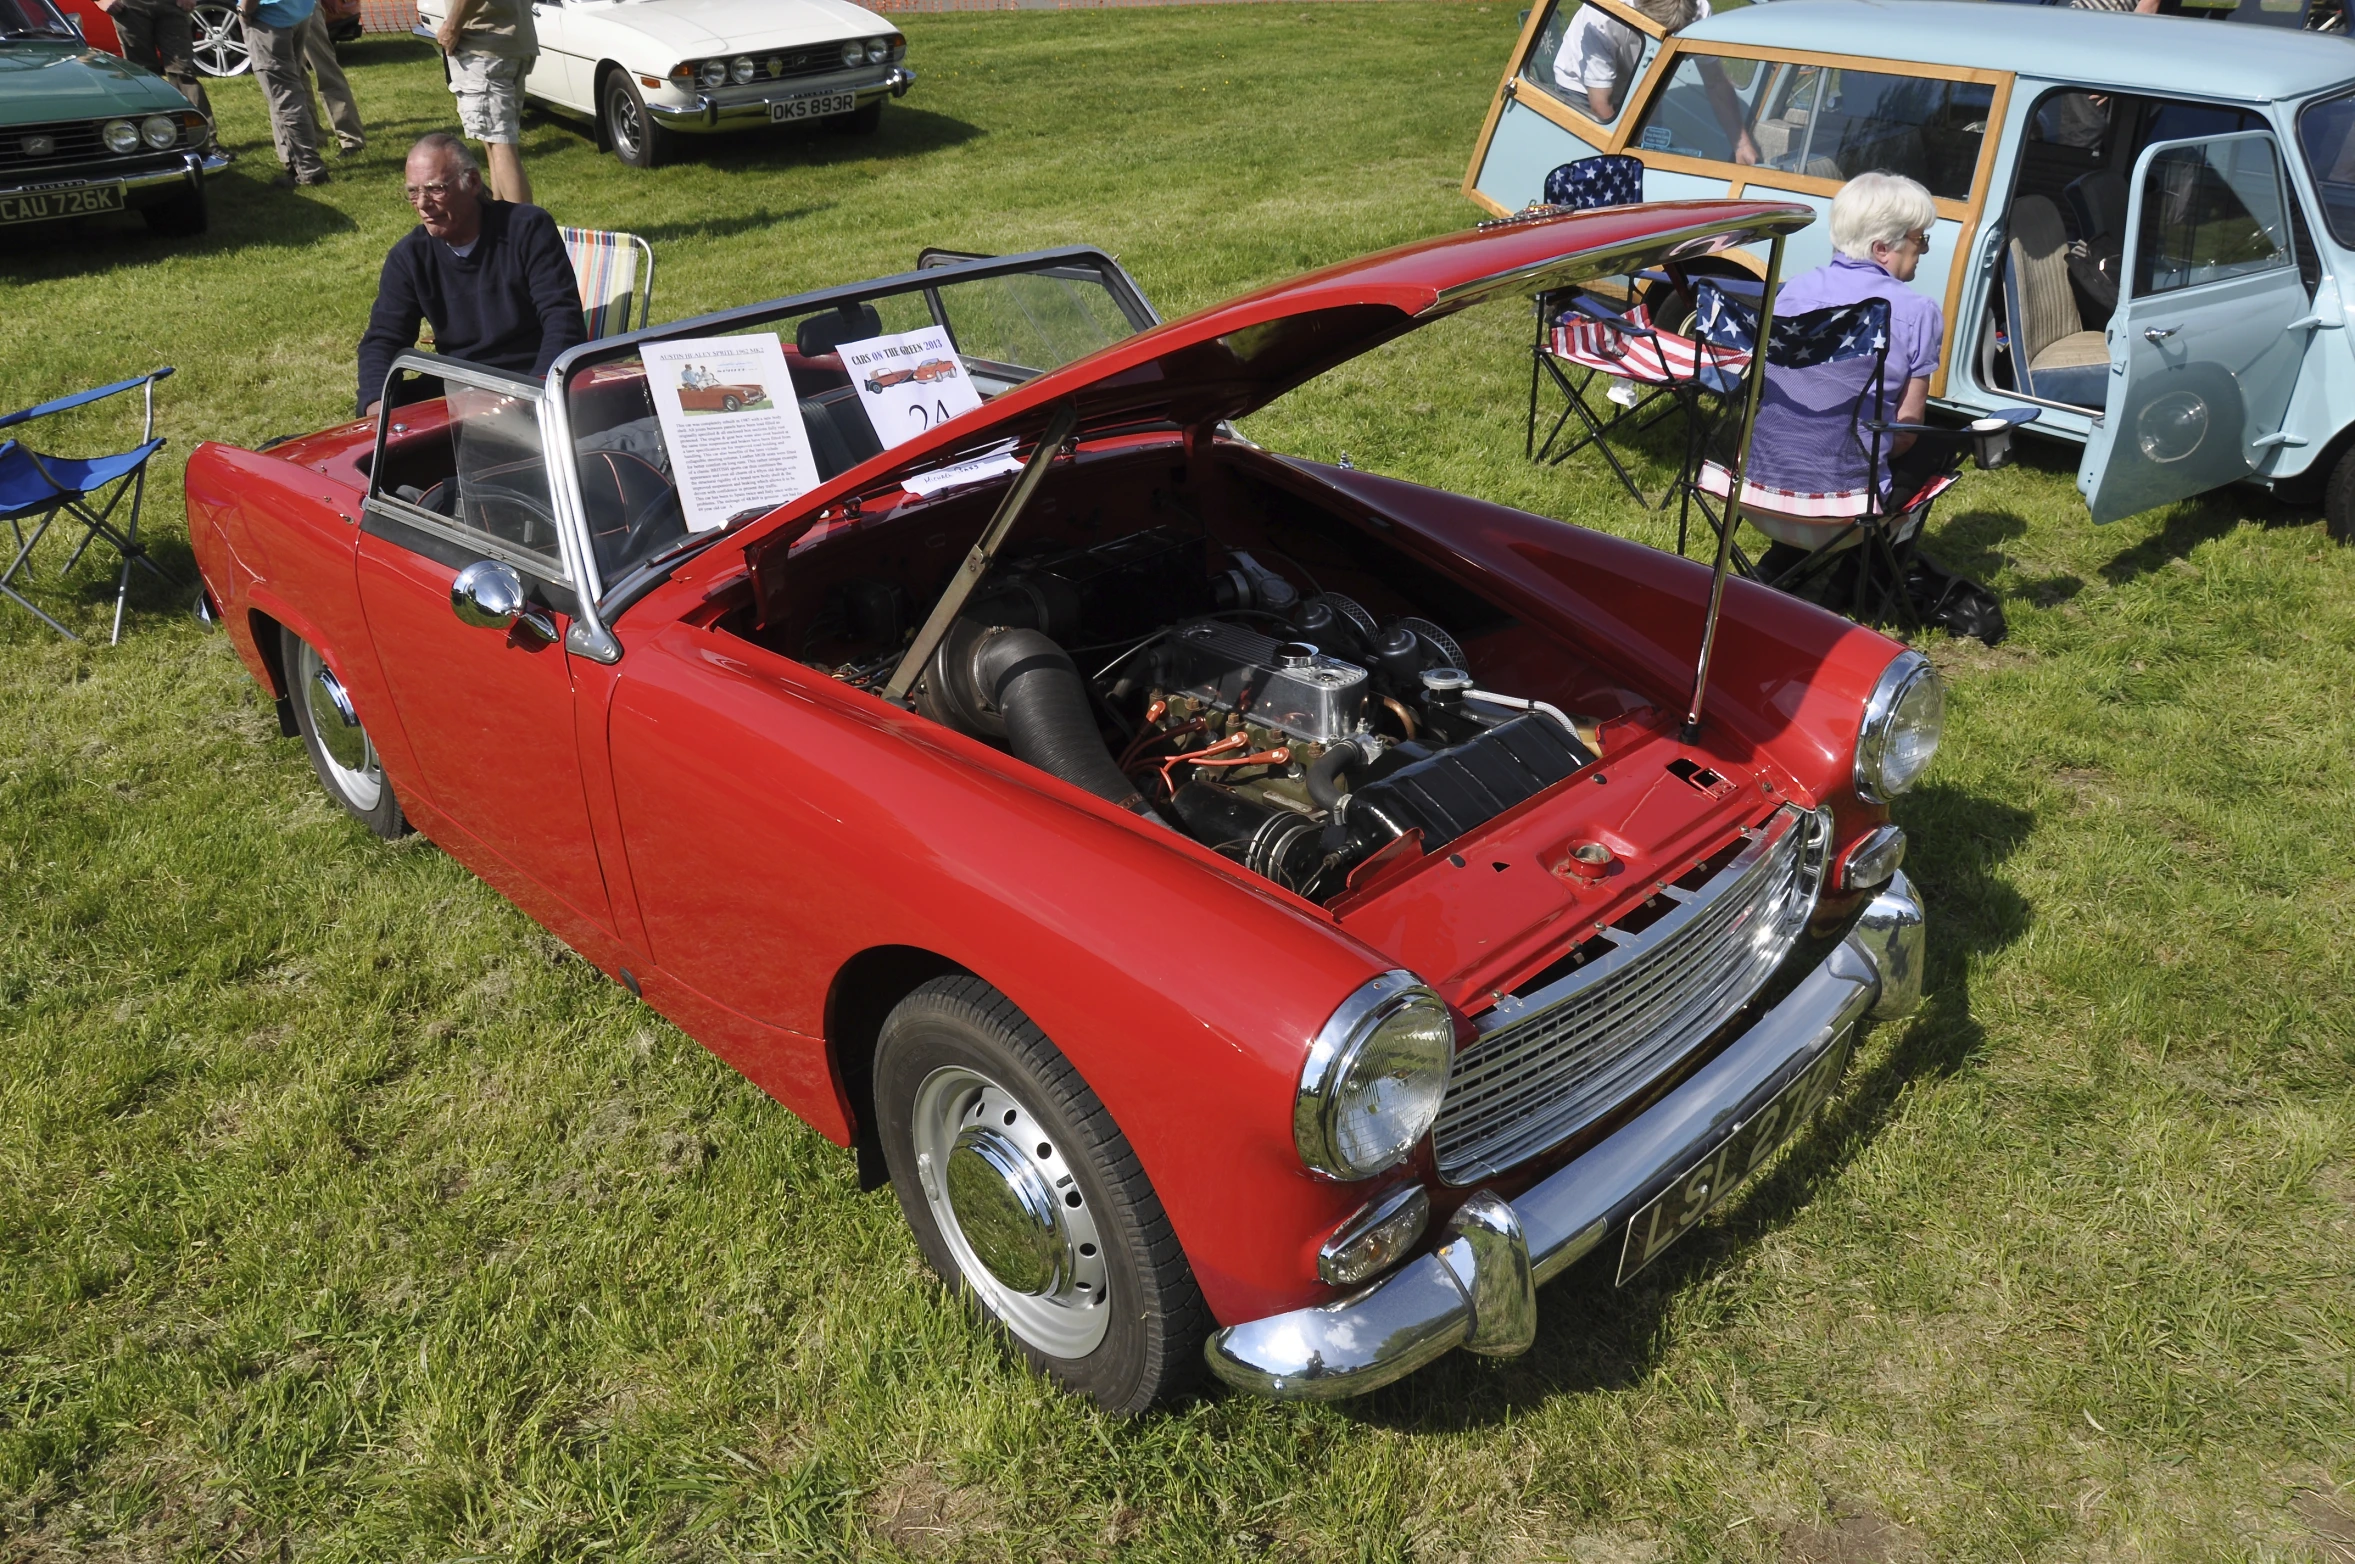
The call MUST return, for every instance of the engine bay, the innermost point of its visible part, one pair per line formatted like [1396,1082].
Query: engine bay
[1284,689]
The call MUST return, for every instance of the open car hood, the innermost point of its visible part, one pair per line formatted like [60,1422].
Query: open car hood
[1234,358]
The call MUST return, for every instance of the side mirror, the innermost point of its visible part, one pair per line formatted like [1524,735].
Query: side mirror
[489,595]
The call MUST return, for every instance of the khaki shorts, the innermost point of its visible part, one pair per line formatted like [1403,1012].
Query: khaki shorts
[490,95]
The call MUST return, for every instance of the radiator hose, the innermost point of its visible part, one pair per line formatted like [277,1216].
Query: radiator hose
[1049,724]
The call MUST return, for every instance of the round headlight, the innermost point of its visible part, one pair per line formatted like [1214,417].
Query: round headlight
[159,130]
[712,73]
[878,50]
[121,136]
[742,69]
[1902,722]
[854,52]
[1374,1078]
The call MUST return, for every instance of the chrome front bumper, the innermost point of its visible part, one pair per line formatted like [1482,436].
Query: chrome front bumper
[710,114]
[192,168]
[1478,1290]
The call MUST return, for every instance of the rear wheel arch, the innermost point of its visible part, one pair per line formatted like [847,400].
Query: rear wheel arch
[267,641]
[864,991]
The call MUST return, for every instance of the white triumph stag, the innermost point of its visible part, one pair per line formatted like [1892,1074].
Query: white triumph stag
[648,71]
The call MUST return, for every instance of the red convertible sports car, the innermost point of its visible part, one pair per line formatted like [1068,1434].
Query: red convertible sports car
[1252,912]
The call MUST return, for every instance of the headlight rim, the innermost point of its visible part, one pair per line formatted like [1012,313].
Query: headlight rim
[1906,670]
[171,125]
[1337,1044]
[130,128]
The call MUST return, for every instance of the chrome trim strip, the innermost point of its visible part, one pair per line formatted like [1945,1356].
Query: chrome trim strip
[1434,1303]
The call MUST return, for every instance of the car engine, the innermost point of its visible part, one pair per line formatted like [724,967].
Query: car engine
[1292,731]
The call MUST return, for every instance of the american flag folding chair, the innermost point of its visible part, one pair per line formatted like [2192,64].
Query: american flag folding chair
[1830,363]
[613,285]
[37,488]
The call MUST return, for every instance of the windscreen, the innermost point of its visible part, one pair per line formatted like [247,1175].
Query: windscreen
[1823,122]
[37,18]
[2326,134]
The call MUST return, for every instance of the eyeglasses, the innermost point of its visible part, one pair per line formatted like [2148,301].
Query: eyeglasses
[438,190]
[1919,239]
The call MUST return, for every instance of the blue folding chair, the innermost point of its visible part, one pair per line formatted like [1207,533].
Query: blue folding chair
[36,489]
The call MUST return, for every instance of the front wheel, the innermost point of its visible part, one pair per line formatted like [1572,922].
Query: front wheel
[341,751]
[2338,499]
[1025,1196]
[629,129]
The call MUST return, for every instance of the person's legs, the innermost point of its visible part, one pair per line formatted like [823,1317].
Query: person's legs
[175,45]
[277,65]
[489,89]
[335,89]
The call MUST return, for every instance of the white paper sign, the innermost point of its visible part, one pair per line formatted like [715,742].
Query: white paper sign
[909,382]
[733,424]
[979,470]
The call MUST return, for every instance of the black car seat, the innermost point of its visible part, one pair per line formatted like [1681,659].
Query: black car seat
[821,334]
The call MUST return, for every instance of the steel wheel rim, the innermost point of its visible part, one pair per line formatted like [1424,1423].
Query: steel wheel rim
[628,134]
[220,47]
[362,787]
[1068,1314]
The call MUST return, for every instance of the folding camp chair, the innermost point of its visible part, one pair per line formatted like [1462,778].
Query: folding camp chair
[35,489]
[1829,365]
[606,268]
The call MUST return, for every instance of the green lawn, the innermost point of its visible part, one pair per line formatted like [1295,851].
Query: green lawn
[344,1215]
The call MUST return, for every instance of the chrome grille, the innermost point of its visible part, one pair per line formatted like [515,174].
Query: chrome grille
[1552,1062]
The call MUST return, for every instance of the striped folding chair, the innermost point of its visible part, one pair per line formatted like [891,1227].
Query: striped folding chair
[1590,338]
[612,281]
[90,492]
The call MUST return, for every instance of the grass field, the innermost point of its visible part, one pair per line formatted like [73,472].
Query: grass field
[344,1216]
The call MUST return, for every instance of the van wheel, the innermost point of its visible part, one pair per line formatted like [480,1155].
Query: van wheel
[1025,1196]
[2338,499]
[631,132]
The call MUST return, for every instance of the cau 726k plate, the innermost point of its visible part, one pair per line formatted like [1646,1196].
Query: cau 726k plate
[1675,1211]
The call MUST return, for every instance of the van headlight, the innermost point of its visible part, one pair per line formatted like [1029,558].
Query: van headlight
[1374,1078]
[1902,722]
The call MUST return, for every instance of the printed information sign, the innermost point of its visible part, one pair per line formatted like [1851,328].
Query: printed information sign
[909,382]
[733,425]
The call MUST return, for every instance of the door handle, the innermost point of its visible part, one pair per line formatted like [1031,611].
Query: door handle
[2159,333]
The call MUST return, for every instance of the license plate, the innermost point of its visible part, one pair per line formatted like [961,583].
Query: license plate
[1682,1204]
[814,106]
[42,205]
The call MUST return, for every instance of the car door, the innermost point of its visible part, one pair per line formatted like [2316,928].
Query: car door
[2210,329]
[489,712]
[560,75]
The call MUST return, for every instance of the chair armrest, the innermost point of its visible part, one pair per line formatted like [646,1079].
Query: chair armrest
[81,398]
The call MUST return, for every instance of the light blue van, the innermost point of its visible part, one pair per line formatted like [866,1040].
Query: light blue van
[2146,224]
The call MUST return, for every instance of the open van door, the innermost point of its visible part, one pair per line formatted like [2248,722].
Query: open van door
[2206,342]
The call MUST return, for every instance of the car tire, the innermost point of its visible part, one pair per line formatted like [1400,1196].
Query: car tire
[183,216]
[342,753]
[996,1145]
[632,133]
[730,403]
[2338,499]
[221,49]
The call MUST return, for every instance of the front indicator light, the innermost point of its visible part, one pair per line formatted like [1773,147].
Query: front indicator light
[1374,1077]
[120,135]
[1375,1238]
[159,131]
[1902,722]
[1874,860]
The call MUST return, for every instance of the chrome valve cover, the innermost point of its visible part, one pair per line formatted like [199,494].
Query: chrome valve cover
[1286,685]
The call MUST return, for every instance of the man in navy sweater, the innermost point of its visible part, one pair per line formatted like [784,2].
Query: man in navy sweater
[491,276]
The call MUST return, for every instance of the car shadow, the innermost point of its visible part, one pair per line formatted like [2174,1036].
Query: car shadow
[247,214]
[904,132]
[2202,519]
[1593,1335]
[716,227]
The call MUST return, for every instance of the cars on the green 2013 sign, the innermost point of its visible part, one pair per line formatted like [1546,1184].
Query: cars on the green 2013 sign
[650,72]
[83,133]
[1253,912]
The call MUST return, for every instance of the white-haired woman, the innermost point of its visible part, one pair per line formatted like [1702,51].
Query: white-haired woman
[1880,231]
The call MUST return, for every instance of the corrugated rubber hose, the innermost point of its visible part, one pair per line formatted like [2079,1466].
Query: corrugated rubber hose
[1048,720]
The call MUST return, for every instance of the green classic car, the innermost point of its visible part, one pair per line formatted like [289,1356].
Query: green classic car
[83,132]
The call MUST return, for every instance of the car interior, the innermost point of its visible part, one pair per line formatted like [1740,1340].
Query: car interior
[2065,235]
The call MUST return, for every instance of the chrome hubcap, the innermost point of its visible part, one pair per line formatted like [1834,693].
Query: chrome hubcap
[625,122]
[1011,1210]
[351,757]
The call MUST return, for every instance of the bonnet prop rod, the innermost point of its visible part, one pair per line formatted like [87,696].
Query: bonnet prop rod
[1733,497]
[984,550]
